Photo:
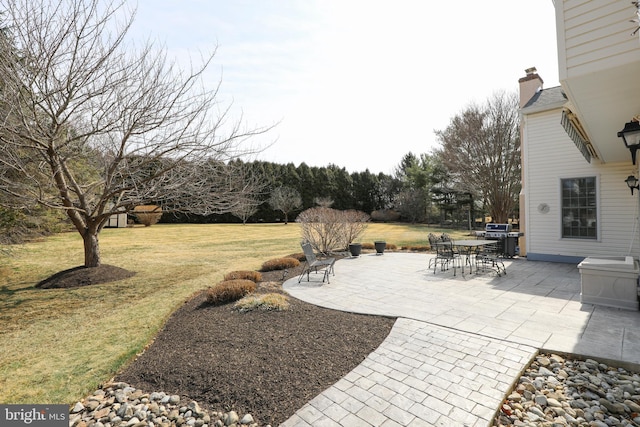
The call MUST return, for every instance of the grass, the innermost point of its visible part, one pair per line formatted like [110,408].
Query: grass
[58,345]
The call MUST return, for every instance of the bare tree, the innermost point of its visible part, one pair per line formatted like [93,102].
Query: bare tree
[250,189]
[323,228]
[286,200]
[355,223]
[330,229]
[97,126]
[324,202]
[481,149]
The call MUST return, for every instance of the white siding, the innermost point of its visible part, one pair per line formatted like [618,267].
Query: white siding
[550,156]
[594,35]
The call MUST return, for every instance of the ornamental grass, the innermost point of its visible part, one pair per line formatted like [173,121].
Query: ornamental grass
[279,264]
[229,291]
[254,276]
[268,302]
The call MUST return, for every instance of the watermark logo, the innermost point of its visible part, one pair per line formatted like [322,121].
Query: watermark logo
[34,415]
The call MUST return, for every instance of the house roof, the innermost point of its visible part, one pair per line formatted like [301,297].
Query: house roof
[545,99]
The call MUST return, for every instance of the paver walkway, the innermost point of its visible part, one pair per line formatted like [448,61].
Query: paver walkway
[460,342]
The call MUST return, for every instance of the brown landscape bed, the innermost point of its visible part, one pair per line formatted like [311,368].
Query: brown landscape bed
[266,363]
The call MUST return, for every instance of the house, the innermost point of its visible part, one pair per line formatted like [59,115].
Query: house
[574,201]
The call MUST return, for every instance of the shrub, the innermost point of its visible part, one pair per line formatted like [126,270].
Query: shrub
[254,276]
[417,248]
[355,223]
[230,290]
[300,256]
[371,246]
[271,301]
[279,264]
[385,215]
[330,229]
[148,214]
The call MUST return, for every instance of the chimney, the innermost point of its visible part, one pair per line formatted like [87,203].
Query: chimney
[529,85]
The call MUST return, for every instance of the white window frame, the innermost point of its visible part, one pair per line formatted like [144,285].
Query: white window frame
[597,237]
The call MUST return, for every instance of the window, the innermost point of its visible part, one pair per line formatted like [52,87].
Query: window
[579,219]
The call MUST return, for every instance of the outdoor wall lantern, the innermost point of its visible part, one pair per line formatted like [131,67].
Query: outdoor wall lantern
[631,137]
[632,183]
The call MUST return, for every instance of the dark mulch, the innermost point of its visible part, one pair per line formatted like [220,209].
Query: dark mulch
[266,363]
[84,276]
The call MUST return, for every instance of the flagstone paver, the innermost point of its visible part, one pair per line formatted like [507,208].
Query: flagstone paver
[459,342]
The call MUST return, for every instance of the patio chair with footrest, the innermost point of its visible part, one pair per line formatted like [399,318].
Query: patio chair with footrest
[313,263]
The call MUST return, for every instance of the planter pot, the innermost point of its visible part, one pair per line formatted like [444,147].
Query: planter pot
[380,246]
[355,249]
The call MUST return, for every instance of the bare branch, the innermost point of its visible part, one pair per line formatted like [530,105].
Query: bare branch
[93,125]
[481,149]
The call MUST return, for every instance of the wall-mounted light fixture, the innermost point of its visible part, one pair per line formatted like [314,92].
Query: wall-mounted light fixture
[631,137]
[632,183]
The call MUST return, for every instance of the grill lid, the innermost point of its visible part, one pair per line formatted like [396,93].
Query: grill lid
[497,228]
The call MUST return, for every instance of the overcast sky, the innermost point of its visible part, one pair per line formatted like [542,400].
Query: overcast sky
[356,83]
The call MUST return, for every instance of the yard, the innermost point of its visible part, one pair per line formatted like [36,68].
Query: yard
[58,345]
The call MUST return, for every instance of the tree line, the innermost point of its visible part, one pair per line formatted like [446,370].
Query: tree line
[330,185]
[93,125]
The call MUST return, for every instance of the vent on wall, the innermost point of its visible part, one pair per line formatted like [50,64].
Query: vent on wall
[574,129]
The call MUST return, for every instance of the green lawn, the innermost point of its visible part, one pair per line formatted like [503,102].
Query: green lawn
[56,346]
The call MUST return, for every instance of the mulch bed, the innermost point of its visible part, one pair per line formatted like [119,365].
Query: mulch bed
[266,363]
[83,276]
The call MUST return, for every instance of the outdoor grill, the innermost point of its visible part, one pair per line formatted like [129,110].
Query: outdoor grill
[507,239]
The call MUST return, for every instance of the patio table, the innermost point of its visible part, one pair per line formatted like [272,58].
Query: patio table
[467,248]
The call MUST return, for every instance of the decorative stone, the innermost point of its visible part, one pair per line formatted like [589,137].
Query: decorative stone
[247,419]
[614,408]
[568,393]
[231,418]
[634,407]
[553,402]
[540,399]
[545,372]
[174,414]
[101,413]
[516,397]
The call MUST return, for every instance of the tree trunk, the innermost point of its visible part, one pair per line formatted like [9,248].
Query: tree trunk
[91,249]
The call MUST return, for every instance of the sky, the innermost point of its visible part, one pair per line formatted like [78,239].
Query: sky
[354,83]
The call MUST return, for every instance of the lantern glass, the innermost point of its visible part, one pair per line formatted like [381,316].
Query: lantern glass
[630,134]
[632,181]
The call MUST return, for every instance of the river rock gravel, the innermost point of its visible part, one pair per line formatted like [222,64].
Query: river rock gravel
[120,405]
[555,391]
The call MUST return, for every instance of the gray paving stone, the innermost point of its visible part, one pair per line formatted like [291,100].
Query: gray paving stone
[391,423]
[424,413]
[309,414]
[459,342]
[335,412]
[398,415]
[355,421]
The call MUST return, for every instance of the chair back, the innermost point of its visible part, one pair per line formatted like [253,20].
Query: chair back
[444,249]
[308,252]
[433,241]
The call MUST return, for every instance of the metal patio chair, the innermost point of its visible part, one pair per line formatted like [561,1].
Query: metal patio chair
[446,255]
[313,263]
[489,257]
